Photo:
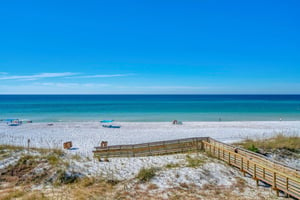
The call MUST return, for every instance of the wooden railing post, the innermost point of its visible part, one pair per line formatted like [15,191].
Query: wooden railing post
[255,176]
[274,180]
[254,171]
[248,165]
[287,187]
[234,158]
[242,164]
[229,158]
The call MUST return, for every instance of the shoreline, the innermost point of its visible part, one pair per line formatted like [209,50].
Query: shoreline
[2,121]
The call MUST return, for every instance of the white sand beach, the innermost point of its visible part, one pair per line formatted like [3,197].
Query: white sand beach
[86,135]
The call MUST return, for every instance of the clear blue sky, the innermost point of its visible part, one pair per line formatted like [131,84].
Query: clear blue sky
[150,47]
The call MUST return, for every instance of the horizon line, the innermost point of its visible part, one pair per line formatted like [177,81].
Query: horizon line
[155,94]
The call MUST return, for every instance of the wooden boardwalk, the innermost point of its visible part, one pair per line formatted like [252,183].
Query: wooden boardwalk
[281,177]
[151,149]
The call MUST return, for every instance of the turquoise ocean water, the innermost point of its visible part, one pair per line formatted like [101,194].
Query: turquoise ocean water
[53,108]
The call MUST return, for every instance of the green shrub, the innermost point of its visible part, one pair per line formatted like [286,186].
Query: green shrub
[53,159]
[145,175]
[253,148]
[172,165]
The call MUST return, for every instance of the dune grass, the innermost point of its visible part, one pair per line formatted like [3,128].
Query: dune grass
[11,147]
[194,161]
[172,165]
[280,141]
[14,194]
[145,174]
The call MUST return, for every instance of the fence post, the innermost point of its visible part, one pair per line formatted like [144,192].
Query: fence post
[229,158]
[254,173]
[274,183]
[235,158]
[274,180]
[247,165]
[242,165]
[254,176]
[287,187]
[28,145]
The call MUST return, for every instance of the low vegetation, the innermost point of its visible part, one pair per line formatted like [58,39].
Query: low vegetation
[31,167]
[47,174]
[20,194]
[172,165]
[53,159]
[194,161]
[13,195]
[253,148]
[145,174]
[291,143]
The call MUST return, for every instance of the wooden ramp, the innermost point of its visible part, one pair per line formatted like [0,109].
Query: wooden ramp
[281,177]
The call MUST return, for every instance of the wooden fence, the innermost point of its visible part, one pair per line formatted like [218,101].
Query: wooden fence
[279,176]
[150,149]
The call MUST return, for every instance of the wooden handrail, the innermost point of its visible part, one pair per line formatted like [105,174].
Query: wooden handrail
[250,161]
[271,163]
[154,143]
[253,153]
[278,179]
[153,148]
